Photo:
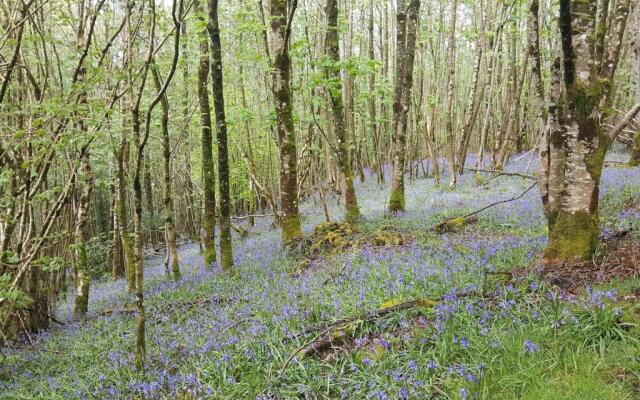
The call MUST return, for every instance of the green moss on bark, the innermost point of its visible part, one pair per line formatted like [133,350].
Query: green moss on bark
[352,213]
[634,160]
[291,230]
[209,255]
[396,200]
[595,160]
[573,238]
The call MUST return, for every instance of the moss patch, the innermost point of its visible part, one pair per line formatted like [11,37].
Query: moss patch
[291,230]
[397,201]
[574,237]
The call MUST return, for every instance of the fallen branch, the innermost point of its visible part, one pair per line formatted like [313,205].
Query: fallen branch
[114,312]
[502,173]
[331,333]
[253,216]
[469,215]
[30,348]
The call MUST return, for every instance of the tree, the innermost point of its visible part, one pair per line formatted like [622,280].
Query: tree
[282,12]
[226,251]
[167,201]
[634,45]
[405,53]
[208,168]
[575,141]
[334,88]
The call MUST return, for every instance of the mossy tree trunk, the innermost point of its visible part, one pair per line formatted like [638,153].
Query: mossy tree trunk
[226,250]
[334,87]
[82,278]
[121,207]
[208,168]
[281,76]
[167,201]
[575,144]
[634,46]
[407,25]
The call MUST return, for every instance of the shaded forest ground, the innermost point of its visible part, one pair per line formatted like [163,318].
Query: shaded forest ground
[471,328]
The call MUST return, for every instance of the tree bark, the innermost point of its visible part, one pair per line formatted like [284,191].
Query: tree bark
[334,88]
[451,65]
[208,168]
[280,27]
[167,201]
[575,145]
[226,251]
[634,46]
[407,25]
[82,278]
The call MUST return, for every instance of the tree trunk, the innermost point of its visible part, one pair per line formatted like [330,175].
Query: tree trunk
[121,208]
[451,65]
[281,76]
[82,277]
[208,168]
[332,70]
[167,201]
[634,45]
[575,143]
[226,251]
[407,24]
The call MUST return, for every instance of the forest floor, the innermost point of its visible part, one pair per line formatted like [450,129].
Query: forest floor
[385,310]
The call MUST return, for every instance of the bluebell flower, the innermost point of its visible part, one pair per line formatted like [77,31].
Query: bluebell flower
[530,347]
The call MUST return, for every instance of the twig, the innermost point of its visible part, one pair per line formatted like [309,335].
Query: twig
[31,348]
[491,205]
[253,216]
[114,312]
[502,173]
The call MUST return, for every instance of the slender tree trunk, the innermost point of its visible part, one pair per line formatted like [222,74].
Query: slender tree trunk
[281,76]
[121,208]
[407,25]
[451,66]
[208,168]
[151,212]
[169,227]
[252,192]
[82,277]
[332,49]
[226,251]
[117,267]
[377,159]
[634,45]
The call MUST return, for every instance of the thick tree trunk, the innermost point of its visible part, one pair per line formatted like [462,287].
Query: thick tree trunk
[226,251]
[208,168]
[407,25]
[332,49]
[281,76]
[575,144]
